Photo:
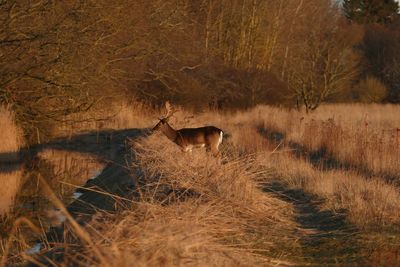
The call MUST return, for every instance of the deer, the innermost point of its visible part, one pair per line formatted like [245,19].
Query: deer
[209,137]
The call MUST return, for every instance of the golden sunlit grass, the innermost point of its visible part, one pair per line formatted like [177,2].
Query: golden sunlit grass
[366,137]
[233,183]
[191,209]
[10,172]
[181,234]
[369,203]
[10,136]
[10,185]
[117,116]
[196,212]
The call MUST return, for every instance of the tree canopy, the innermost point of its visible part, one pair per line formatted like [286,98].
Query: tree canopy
[371,11]
[62,58]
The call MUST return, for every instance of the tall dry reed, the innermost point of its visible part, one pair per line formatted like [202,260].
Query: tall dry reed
[10,169]
[364,137]
[191,211]
[369,203]
[10,136]
[117,116]
[370,200]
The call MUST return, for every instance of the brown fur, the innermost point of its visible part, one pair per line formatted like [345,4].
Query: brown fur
[187,138]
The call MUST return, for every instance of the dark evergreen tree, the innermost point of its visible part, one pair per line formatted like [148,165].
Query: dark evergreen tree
[371,11]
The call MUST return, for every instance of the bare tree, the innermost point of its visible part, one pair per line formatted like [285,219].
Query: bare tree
[61,58]
[322,61]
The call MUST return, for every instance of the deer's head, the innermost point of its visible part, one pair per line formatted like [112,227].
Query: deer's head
[163,121]
[160,124]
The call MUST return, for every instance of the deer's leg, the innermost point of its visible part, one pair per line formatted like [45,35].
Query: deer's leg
[187,149]
[216,153]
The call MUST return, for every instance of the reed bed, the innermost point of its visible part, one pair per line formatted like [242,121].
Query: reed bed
[11,172]
[117,116]
[266,132]
[190,209]
[370,204]
[364,137]
[10,136]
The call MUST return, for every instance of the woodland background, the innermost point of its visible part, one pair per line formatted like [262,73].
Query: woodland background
[59,58]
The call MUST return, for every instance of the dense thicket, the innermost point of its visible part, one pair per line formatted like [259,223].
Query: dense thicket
[380,46]
[63,57]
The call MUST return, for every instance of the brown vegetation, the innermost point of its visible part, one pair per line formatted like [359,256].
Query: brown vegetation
[360,137]
[61,59]
[10,171]
[191,210]
[10,136]
[312,186]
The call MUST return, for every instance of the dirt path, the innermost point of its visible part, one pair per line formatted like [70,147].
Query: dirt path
[326,237]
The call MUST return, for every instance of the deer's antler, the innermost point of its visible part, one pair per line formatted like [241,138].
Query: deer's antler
[170,110]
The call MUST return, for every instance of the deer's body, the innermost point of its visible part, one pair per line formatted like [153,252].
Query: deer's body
[209,137]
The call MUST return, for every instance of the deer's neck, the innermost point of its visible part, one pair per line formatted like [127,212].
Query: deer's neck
[169,132]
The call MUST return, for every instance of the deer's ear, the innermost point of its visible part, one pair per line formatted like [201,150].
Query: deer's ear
[167,105]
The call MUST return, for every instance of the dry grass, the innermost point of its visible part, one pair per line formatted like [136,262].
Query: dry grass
[233,183]
[192,210]
[195,212]
[180,234]
[366,137]
[10,171]
[369,203]
[10,136]
[127,115]
[10,185]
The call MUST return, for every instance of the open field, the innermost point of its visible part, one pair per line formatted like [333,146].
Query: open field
[290,189]
[286,146]
[365,138]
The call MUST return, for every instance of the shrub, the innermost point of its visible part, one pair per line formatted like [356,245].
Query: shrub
[370,90]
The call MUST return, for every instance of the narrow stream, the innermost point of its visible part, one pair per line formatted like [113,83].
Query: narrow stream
[65,165]
[21,194]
